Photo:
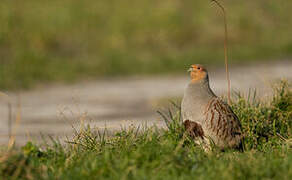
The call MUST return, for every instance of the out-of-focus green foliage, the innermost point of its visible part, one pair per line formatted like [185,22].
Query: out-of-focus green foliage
[66,40]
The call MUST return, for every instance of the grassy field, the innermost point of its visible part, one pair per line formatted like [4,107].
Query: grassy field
[67,40]
[151,153]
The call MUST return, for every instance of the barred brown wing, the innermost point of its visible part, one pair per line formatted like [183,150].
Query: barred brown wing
[221,122]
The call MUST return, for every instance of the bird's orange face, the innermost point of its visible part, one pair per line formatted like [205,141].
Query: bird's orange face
[197,72]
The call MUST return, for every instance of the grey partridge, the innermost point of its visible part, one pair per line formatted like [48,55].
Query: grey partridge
[206,117]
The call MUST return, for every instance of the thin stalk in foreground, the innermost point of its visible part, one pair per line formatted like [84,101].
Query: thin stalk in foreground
[225,50]
[9,116]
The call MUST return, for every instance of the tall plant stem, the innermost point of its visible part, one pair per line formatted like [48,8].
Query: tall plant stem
[225,49]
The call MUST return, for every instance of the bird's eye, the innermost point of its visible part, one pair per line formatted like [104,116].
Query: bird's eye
[198,68]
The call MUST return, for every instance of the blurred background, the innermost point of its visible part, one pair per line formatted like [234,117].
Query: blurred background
[115,56]
[67,40]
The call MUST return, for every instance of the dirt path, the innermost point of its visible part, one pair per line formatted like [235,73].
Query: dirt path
[114,103]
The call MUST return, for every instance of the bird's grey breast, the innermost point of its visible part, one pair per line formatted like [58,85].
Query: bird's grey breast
[194,102]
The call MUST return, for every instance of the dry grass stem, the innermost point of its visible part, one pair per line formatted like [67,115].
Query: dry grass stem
[9,116]
[225,49]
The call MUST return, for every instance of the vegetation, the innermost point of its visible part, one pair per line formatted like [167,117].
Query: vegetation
[151,153]
[67,40]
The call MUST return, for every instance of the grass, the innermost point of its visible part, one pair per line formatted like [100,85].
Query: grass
[152,153]
[67,40]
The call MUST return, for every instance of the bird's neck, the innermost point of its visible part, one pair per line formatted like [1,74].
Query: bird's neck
[201,88]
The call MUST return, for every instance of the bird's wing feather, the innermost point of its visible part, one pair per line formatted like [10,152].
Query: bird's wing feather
[221,121]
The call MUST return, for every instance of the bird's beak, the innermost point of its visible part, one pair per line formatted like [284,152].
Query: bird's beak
[190,70]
